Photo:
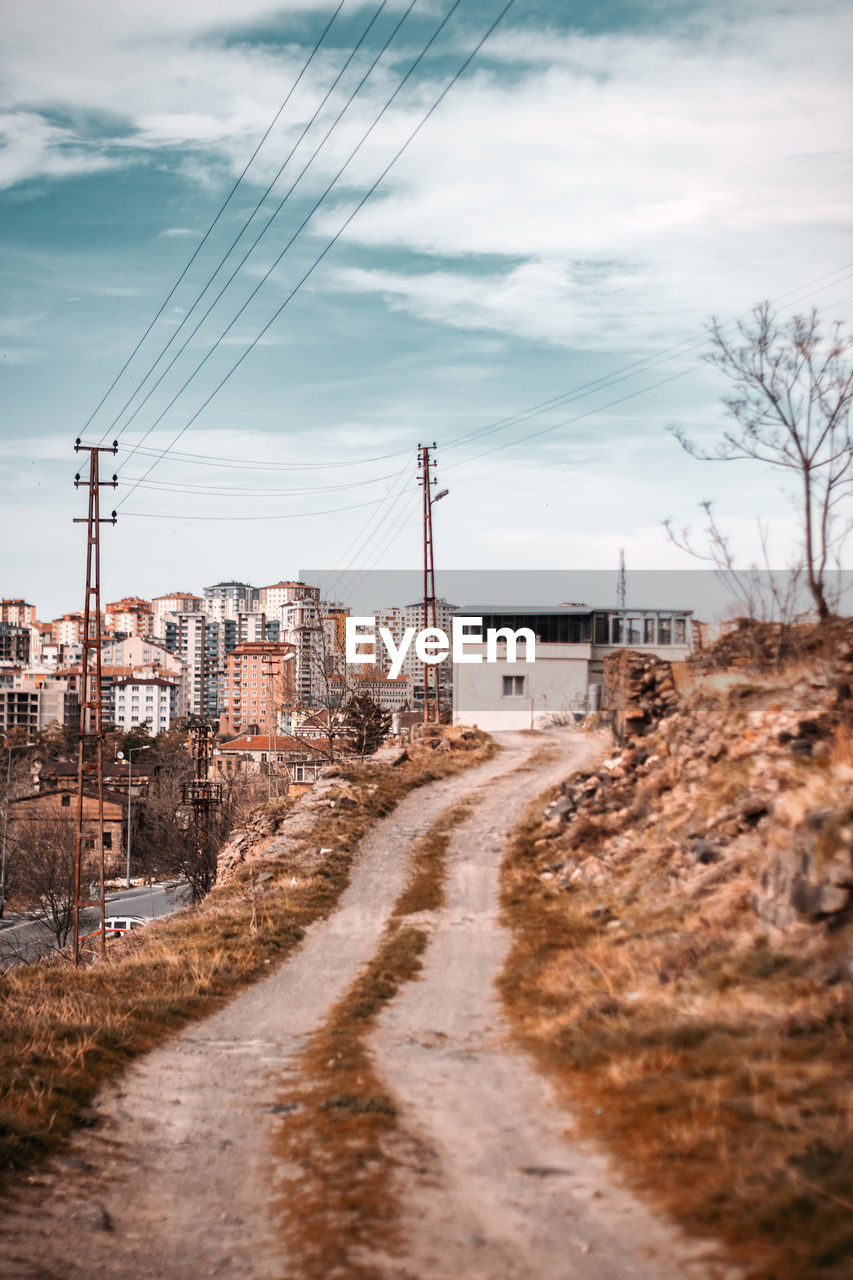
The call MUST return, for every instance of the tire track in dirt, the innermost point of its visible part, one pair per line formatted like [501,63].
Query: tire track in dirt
[174,1181]
[494,1185]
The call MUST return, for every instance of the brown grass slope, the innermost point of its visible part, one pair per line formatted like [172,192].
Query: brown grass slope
[683,954]
[63,1030]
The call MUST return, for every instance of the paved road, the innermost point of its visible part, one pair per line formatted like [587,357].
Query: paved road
[25,940]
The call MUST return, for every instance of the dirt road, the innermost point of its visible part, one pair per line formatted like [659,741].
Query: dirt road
[179,1177]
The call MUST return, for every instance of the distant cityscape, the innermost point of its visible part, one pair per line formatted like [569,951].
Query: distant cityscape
[260,660]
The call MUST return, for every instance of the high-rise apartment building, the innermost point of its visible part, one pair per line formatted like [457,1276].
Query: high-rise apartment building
[258,683]
[131,616]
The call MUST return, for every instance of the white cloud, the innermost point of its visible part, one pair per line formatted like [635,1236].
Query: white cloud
[718,171]
[571,304]
[30,147]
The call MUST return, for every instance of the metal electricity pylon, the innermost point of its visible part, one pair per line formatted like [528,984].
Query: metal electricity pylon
[91,704]
[202,796]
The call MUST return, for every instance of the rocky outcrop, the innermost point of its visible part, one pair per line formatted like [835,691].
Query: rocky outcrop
[730,795]
[639,691]
[284,822]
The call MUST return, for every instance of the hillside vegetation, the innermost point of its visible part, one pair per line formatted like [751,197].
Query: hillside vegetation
[64,1030]
[683,943]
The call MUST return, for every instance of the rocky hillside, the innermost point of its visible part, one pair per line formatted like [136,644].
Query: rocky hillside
[746,774]
[684,940]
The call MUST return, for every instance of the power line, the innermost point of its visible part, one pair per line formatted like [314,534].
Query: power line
[219,214]
[234,491]
[363,538]
[197,302]
[290,515]
[509,444]
[296,233]
[601,383]
[466,63]
[232,464]
[685,347]
[465,461]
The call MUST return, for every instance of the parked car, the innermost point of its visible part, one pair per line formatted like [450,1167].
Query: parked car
[117,926]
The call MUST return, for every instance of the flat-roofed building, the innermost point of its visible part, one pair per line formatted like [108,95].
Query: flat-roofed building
[570,642]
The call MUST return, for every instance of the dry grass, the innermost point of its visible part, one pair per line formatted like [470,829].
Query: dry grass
[62,1031]
[715,1065]
[340,1207]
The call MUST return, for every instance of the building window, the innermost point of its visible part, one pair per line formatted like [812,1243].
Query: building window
[648,631]
[664,630]
[616,630]
[108,839]
[66,802]
[680,625]
[513,686]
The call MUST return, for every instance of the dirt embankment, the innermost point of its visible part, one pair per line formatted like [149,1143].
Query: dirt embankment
[683,957]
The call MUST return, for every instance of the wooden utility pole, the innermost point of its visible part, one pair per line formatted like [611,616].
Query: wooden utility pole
[91,704]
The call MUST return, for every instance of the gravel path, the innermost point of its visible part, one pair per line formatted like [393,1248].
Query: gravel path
[177,1179]
[496,1188]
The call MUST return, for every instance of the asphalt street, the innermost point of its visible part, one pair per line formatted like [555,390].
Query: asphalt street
[23,940]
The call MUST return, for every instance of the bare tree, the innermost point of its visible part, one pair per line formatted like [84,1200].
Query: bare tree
[44,873]
[760,592]
[791,409]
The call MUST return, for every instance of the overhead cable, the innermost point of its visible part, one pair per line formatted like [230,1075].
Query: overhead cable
[219,214]
[360,205]
[270,220]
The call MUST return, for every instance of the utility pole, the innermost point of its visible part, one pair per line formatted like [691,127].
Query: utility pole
[202,795]
[120,756]
[91,703]
[426,479]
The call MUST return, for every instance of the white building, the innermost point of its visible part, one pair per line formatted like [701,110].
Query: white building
[571,642]
[138,701]
[178,602]
[271,598]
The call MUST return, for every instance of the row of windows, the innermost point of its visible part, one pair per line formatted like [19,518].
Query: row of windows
[640,629]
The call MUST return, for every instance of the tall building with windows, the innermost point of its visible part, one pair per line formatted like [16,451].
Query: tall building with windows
[258,684]
[176,602]
[131,616]
[138,701]
[200,642]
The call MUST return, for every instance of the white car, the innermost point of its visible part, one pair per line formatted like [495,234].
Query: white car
[117,926]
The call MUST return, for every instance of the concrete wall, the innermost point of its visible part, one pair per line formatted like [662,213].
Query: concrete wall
[555,682]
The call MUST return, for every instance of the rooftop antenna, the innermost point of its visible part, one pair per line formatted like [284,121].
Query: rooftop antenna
[620,582]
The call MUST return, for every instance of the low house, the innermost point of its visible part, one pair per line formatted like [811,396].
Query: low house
[56,808]
[298,759]
[565,679]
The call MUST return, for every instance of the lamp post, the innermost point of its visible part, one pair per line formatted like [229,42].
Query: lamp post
[12,747]
[120,756]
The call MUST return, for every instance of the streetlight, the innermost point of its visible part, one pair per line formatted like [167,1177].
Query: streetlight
[120,756]
[16,746]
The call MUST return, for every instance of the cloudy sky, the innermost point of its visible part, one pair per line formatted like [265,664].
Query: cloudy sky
[527,285]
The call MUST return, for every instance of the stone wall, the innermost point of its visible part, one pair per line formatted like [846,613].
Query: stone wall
[639,691]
